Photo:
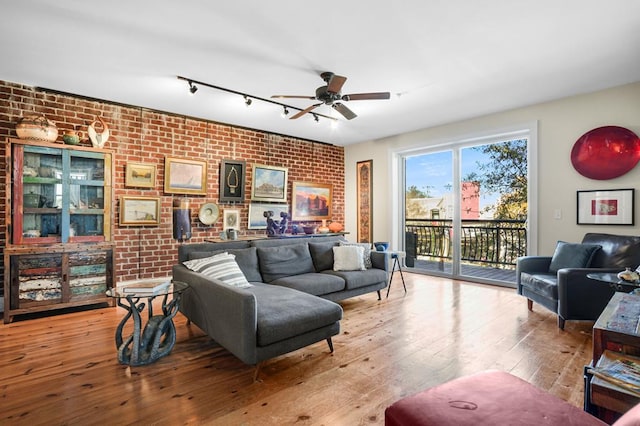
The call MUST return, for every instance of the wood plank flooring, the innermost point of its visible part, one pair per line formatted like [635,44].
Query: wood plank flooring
[63,369]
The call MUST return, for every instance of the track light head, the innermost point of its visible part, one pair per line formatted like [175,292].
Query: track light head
[285,112]
[192,88]
[247,100]
[315,117]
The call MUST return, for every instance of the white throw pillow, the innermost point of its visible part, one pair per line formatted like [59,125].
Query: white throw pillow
[366,254]
[348,258]
[221,266]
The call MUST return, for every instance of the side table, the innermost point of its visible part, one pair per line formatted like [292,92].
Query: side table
[157,338]
[395,256]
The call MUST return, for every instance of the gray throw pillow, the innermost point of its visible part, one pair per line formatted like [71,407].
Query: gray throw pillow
[572,255]
[284,261]
[322,255]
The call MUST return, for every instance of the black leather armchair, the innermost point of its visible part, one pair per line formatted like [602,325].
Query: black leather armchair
[569,292]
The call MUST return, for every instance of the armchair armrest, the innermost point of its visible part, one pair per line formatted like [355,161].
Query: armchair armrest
[580,297]
[532,265]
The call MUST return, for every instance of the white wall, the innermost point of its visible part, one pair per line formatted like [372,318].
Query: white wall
[560,124]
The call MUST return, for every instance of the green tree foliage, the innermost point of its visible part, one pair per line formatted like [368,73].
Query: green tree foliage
[505,173]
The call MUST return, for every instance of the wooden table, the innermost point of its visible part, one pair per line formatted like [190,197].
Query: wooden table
[615,331]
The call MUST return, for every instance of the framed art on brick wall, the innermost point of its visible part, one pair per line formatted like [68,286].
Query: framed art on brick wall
[311,201]
[139,211]
[269,183]
[232,180]
[364,173]
[140,175]
[182,176]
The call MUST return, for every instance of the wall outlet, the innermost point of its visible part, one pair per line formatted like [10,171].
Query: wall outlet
[557,214]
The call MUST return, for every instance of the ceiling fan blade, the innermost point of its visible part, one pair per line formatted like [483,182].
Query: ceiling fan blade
[292,97]
[304,111]
[335,83]
[366,96]
[342,109]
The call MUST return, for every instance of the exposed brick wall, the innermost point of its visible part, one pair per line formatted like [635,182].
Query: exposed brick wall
[143,135]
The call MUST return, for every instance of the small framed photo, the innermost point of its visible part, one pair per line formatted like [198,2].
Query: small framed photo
[232,180]
[257,218]
[606,207]
[139,211]
[231,219]
[311,201]
[269,183]
[140,175]
[182,176]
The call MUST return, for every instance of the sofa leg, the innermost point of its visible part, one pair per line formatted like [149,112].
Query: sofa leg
[256,372]
[379,296]
[530,304]
[560,322]
[330,344]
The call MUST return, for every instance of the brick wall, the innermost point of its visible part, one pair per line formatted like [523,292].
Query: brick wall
[148,136]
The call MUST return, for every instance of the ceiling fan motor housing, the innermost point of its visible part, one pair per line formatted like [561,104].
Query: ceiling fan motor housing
[325,96]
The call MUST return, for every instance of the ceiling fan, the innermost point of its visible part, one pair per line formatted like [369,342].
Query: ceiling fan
[330,95]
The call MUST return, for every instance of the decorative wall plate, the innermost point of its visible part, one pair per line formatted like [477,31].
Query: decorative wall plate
[606,152]
[209,213]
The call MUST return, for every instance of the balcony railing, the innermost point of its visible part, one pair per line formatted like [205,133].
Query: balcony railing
[495,243]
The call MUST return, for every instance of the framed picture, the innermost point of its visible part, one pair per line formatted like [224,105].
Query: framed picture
[231,219]
[139,211]
[606,207]
[257,219]
[269,183]
[364,201]
[232,180]
[311,201]
[182,176]
[140,175]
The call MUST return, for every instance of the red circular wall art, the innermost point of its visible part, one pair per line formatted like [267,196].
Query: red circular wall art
[606,152]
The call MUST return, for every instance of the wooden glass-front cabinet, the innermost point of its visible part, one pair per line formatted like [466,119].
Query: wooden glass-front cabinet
[59,249]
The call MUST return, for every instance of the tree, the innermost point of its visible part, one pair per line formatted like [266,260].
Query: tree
[505,173]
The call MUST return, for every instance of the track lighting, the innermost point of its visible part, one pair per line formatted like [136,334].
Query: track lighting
[248,99]
[192,88]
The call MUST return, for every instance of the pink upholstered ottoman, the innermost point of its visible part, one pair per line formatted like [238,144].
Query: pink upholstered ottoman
[487,398]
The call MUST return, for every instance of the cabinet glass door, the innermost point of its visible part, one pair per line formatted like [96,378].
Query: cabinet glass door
[41,173]
[86,196]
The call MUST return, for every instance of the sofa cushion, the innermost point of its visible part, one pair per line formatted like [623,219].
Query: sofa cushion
[322,254]
[358,279]
[366,255]
[284,261]
[246,258]
[618,251]
[221,266]
[572,255]
[283,313]
[313,283]
[348,258]
[541,283]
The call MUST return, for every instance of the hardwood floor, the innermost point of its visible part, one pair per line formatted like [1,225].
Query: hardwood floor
[63,369]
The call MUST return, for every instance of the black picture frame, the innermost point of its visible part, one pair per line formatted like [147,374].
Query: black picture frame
[606,207]
[232,176]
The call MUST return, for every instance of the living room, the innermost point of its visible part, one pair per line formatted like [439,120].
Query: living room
[140,134]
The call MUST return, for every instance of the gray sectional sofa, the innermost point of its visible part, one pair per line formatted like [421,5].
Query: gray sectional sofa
[291,301]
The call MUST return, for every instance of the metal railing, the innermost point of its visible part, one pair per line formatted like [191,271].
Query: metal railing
[491,242]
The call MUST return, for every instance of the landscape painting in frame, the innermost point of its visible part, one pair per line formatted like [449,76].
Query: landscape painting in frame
[140,175]
[182,176]
[269,183]
[257,218]
[311,201]
[139,211]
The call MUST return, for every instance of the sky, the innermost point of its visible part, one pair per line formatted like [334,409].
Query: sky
[435,171]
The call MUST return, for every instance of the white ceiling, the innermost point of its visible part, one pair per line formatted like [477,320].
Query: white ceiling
[442,60]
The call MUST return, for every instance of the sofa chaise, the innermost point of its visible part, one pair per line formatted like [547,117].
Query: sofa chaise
[290,302]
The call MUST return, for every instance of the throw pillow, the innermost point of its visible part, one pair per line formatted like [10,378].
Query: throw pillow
[366,254]
[221,266]
[572,255]
[348,258]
